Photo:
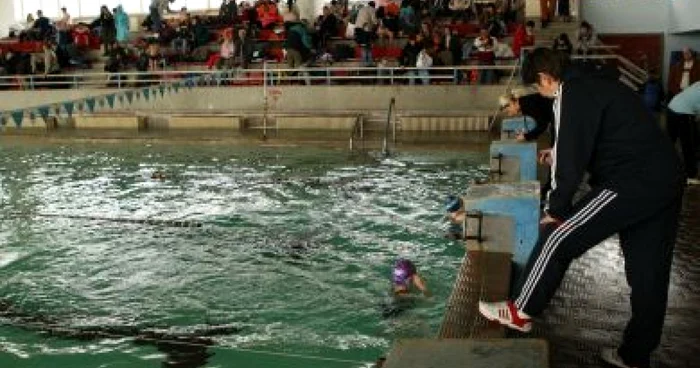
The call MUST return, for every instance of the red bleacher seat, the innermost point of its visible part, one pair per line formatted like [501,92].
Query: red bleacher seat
[465,29]
[276,53]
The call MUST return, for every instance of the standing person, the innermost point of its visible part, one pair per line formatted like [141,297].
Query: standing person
[604,128]
[63,26]
[121,20]
[683,73]
[108,29]
[682,111]
[546,12]
[156,10]
[365,25]
[585,38]
[524,37]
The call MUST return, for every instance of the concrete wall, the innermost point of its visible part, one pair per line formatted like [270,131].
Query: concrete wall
[627,16]
[438,99]
[684,15]
[7,16]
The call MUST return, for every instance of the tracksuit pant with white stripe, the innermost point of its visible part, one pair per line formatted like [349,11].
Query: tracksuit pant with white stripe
[646,222]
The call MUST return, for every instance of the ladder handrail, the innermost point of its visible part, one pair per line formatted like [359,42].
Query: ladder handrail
[385,143]
[357,128]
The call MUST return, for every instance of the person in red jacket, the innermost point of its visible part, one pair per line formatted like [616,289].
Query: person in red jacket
[524,36]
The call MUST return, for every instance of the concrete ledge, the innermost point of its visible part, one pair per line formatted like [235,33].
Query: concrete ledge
[131,122]
[454,353]
[444,123]
[204,122]
[343,123]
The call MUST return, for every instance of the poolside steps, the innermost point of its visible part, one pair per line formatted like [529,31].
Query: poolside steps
[460,353]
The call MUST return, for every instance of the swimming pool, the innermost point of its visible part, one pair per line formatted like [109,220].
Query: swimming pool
[289,267]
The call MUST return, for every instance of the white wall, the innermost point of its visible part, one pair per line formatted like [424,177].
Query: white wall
[685,15]
[628,16]
[7,16]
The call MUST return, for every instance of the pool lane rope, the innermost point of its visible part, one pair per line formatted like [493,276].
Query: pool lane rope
[153,222]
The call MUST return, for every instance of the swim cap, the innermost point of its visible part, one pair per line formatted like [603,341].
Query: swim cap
[452,204]
[403,272]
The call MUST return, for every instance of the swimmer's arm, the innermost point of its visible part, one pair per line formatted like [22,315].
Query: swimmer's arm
[420,284]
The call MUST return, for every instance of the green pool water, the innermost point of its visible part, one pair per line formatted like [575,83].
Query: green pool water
[294,252]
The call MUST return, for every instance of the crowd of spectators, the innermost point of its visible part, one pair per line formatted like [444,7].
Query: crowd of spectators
[417,34]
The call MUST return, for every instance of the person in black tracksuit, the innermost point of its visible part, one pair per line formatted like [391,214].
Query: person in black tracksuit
[637,185]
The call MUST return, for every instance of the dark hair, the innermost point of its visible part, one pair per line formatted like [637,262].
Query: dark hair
[530,24]
[544,60]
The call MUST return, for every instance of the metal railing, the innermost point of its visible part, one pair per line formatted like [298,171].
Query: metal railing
[358,133]
[389,126]
[243,77]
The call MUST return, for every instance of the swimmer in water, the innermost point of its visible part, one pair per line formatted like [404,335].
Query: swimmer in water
[404,278]
[454,206]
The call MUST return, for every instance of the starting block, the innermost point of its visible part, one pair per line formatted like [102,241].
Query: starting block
[513,161]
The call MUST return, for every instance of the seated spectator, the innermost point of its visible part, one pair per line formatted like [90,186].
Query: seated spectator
[326,26]
[409,55]
[563,44]
[484,49]
[424,62]
[337,9]
[200,40]
[81,36]
[246,46]
[494,22]
[524,37]
[585,38]
[268,15]
[117,58]
[184,37]
[227,52]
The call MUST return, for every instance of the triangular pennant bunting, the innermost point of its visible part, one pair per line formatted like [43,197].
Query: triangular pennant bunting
[129,96]
[90,104]
[43,111]
[18,116]
[69,108]
[110,100]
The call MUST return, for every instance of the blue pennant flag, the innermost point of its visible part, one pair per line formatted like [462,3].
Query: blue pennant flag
[129,96]
[32,116]
[121,99]
[90,104]
[43,111]
[162,90]
[146,93]
[101,102]
[110,100]
[18,116]
[69,107]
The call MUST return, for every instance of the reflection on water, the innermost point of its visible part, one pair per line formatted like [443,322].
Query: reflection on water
[291,253]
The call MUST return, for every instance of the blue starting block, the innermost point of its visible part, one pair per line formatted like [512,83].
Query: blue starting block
[511,126]
[503,218]
[513,161]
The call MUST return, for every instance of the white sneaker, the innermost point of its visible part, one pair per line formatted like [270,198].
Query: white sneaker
[693,181]
[611,357]
[507,314]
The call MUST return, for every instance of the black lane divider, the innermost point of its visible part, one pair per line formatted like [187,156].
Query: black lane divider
[184,350]
[153,222]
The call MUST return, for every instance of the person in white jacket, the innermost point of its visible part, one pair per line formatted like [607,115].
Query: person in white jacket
[424,62]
